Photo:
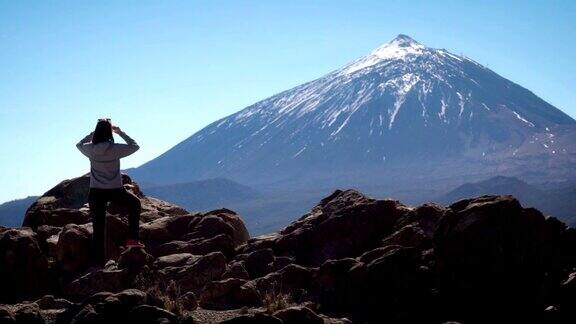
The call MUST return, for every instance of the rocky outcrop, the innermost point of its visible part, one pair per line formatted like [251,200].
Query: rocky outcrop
[350,259]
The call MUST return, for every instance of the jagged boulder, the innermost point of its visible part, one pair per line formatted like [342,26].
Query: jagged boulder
[344,224]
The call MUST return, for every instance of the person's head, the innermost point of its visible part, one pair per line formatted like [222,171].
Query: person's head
[103,132]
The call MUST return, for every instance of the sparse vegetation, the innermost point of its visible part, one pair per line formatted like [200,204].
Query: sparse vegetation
[276,299]
[162,294]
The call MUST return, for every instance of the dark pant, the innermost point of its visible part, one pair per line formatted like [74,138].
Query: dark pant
[98,199]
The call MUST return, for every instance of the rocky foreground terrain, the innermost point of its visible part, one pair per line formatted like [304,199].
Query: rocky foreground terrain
[350,259]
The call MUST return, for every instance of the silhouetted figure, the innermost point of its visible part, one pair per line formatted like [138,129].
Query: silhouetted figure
[106,183]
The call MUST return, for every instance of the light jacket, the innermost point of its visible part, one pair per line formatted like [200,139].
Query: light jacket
[105,160]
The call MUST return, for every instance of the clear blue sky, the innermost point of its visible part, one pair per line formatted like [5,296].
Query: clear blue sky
[162,70]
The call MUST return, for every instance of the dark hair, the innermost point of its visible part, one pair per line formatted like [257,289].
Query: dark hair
[103,132]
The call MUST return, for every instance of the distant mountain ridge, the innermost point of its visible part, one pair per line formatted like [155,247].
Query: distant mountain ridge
[403,112]
[204,194]
[556,200]
[12,212]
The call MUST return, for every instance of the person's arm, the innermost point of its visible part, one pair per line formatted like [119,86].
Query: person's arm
[82,144]
[123,150]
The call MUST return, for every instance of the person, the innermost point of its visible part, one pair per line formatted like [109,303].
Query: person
[106,183]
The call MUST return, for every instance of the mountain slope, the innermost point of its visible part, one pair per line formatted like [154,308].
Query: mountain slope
[12,212]
[404,109]
[203,195]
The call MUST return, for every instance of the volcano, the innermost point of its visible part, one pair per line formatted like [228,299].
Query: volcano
[405,112]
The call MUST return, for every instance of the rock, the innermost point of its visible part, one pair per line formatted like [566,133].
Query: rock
[490,244]
[209,226]
[134,258]
[116,236]
[172,260]
[409,236]
[240,234]
[229,294]
[189,301]
[317,236]
[44,232]
[258,263]
[29,314]
[292,279]
[196,272]
[330,320]
[46,302]
[74,252]
[111,280]
[56,217]
[66,203]
[298,315]
[220,243]
[258,318]
[265,241]
[150,314]
[23,266]
[87,315]
[374,254]
[131,297]
[281,261]
[6,316]
[236,270]
[165,229]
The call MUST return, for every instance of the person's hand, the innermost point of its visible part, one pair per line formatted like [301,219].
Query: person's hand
[115,129]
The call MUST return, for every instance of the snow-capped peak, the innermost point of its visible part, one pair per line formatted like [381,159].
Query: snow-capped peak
[399,48]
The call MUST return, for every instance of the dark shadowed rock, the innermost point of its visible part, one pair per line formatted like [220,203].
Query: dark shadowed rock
[240,234]
[318,235]
[172,260]
[229,294]
[490,244]
[165,229]
[220,243]
[23,266]
[74,248]
[196,272]
[236,270]
[258,263]
[209,226]
[134,258]
[189,301]
[151,314]
[6,316]
[29,314]
[112,280]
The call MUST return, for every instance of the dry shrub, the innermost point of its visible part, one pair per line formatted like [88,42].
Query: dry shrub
[275,300]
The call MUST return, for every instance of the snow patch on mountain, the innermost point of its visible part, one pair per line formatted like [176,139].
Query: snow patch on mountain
[398,49]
